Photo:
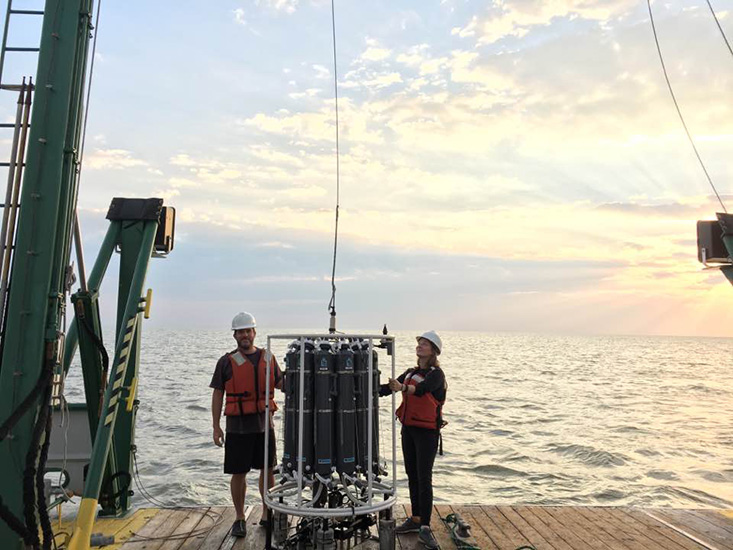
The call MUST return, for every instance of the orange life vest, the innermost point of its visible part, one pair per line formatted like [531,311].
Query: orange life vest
[245,390]
[422,412]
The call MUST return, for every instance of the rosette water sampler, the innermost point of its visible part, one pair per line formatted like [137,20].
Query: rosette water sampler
[332,485]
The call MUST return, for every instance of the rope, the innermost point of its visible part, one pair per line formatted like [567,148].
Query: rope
[332,303]
[679,112]
[722,32]
[451,523]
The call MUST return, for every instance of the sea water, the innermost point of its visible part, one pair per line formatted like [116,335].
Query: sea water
[532,419]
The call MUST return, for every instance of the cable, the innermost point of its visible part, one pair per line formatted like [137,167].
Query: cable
[719,27]
[215,517]
[332,303]
[89,86]
[84,138]
[679,112]
[44,379]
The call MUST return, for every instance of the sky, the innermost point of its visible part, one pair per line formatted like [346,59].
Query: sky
[503,165]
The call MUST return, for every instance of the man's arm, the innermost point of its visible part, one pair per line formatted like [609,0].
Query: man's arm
[217,401]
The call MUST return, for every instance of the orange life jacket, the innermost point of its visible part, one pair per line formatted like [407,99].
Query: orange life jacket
[245,390]
[422,412]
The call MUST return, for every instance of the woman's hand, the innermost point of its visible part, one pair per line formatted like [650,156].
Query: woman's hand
[394,385]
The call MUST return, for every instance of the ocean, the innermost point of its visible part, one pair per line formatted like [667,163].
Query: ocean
[533,419]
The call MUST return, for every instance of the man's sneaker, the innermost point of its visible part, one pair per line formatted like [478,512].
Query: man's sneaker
[408,526]
[239,528]
[427,538]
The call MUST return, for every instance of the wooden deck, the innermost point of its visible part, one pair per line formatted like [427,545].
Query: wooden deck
[493,527]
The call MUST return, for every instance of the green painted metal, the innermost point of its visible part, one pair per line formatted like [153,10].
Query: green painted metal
[35,303]
[94,282]
[91,359]
[129,237]
[131,240]
[86,308]
[113,410]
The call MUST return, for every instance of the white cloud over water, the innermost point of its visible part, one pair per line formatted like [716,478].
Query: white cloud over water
[535,140]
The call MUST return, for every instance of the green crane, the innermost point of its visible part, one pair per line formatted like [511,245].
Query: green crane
[35,352]
[33,339]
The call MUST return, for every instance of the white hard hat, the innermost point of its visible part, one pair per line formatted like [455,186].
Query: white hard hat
[432,336]
[243,320]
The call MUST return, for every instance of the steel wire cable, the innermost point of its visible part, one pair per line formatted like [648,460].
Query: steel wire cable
[722,32]
[332,303]
[82,276]
[677,107]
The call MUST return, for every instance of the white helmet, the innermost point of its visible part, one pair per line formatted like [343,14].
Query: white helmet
[432,337]
[243,320]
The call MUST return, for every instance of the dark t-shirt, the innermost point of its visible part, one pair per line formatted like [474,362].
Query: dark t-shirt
[249,423]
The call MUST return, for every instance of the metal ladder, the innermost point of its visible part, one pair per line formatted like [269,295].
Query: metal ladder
[16,162]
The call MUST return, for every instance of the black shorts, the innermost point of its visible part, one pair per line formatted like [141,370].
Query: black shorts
[243,452]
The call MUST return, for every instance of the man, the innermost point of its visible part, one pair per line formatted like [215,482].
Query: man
[240,377]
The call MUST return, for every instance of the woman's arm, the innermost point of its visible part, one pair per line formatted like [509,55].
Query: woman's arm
[384,389]
[434,380]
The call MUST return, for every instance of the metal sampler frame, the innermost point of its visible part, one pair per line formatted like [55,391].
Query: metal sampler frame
[293,489]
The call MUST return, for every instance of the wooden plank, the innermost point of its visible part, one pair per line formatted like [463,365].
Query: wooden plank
[439,529]
[406,541]
[256,534]
[536,539]
[488,527]
[483,540]
[220,531]
[542,512]
[716,517]
[632,535]
[647,533]
[515,538]
[597,516]
[655,530]
[153,534]
[121,528]
[593,536]
[210,520]
[553,538]
[697,527]
[184,530]
[149,528]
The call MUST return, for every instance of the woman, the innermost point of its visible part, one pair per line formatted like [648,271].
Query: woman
[423,394]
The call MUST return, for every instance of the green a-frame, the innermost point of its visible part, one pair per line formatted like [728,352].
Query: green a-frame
[34,346]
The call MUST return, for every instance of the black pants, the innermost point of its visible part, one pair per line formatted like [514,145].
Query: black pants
[419,446]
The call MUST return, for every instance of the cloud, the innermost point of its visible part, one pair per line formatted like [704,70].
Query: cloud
[516,19]
[111,159]
[275,244]
[674,210]
[239,17]
[286,6]
[321,71]
[319,126]
[415,55]
[374,52]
